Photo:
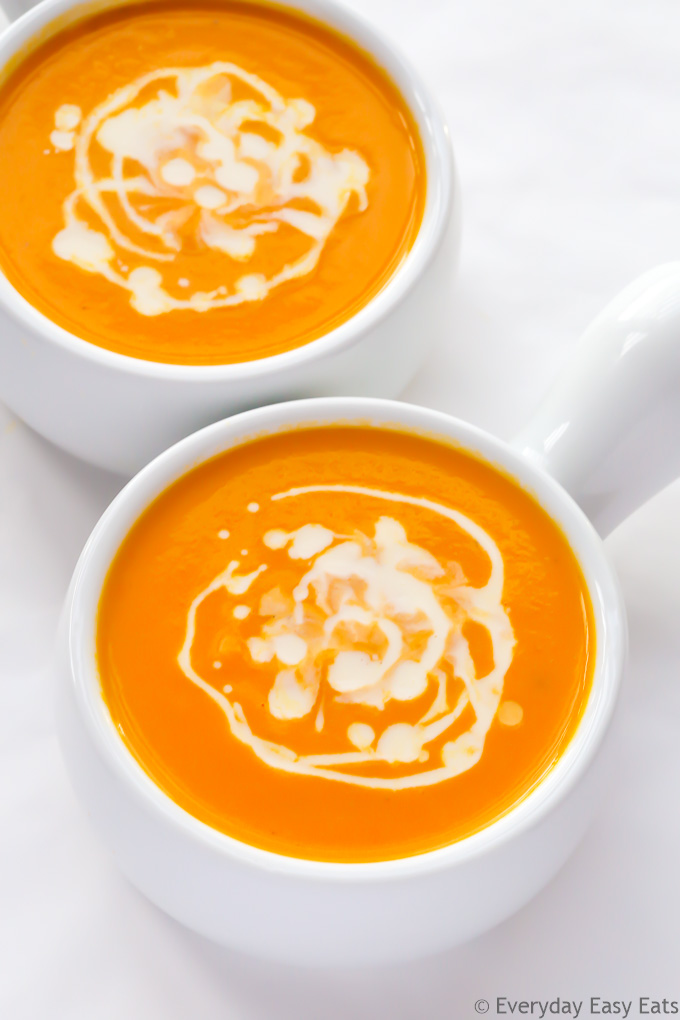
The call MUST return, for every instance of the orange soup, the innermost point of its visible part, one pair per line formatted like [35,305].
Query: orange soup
[345,644]
[205,182]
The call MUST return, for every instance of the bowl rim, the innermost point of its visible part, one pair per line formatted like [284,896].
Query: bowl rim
[441,195]
[603,587]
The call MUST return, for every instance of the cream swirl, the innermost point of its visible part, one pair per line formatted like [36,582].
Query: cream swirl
[194,157]
[372,620]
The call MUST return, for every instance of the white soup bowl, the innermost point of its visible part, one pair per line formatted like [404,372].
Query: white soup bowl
[118,412]
[599,433]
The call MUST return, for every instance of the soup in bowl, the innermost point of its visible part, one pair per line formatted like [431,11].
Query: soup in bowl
[333,674]
[216,182]
[345,643]
[329,715]
[216,204]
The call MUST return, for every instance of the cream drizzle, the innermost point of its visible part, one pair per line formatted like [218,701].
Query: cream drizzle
[386,584]
[239,168]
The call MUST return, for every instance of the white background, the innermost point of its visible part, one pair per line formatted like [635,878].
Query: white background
[564,117]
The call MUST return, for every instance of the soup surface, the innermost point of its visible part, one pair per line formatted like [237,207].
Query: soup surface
[345,644]
[203,183]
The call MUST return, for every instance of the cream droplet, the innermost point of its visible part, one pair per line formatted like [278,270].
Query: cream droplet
[510,713]
[67,117]
[408,680]
[209,197]
[178,173]
[223,533]
[62,140]
[217,665]
[275,539]
[253,508]
[253,286]
[400,743]
[361,735]
[309,540]
[260,650]
[290,649]
[240,612]
[289,697]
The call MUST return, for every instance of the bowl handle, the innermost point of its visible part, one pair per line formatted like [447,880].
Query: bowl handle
[609,429]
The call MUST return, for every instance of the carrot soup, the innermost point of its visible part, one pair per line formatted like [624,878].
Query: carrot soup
[206,182]
[345,643]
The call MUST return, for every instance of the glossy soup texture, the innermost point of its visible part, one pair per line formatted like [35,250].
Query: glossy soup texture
[345,644]
[204,183]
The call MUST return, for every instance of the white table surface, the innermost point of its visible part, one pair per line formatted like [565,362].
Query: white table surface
[564,117]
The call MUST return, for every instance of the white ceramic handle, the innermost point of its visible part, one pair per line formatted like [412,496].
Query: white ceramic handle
[609,429]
